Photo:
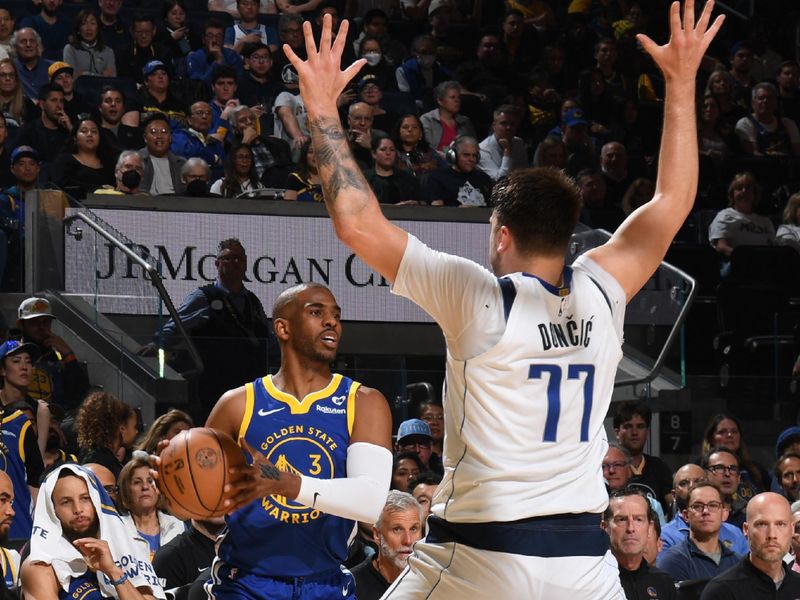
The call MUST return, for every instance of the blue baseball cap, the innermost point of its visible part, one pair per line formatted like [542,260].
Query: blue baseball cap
[153,66]
[413,427]
[786,438]
[575,116]
[22,152]
[12,347]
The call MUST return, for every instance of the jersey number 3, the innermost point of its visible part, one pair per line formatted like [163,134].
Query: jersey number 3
[555,373]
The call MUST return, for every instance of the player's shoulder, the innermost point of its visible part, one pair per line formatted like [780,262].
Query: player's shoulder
[228,412]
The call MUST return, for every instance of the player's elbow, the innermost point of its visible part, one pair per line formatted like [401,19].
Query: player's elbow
[373,500]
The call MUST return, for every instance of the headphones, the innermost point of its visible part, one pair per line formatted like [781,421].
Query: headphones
[451,154]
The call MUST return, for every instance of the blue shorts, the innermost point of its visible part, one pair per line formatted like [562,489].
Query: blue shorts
[228,583]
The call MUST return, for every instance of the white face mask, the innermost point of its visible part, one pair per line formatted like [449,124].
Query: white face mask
[426,60]
[373,58]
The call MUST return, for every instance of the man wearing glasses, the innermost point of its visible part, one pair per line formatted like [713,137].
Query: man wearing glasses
[162,168]
[256,87]
[701,555]
[722,469]
[414,435]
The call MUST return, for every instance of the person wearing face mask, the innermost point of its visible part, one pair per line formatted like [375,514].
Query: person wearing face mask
[128,174]
[195,174]
[421,72]
[371,49]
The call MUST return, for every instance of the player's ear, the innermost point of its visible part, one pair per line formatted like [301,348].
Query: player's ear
[376,535]
[281,327]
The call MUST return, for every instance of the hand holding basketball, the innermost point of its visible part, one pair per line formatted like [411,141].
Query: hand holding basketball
[258,480]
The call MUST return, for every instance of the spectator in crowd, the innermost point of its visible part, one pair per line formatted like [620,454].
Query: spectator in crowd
[421,72]
[739,225]
[59,377]
[6,31]
[701,555]
[290,111]
[614,165]
[617,473]
[521,42]
[423,487]
[195,176]
[787,473]
[81,544]
[304,184]
[114,132]
[741,60]
[140,498]
[444,124]
[597,102]
[405,467]
[577,142]
[81,167]
[52,129]
[488,74]
[256,87]
[370,49]
[551,152]
[709,137]
[247,29]
[361,134]
[628,521]
[240,173]
[265,7]
[632,428]
[678,529]
[10,557]
[414,435]
[228,326]
[399,525]
[179,561]
[53,28]
[128,173]
[720,85]
[86,51]
[174,33]
[165,427]
[106,427]
[789,232]
[788,80]
[25,166]
[199,139]
[375,25]
[414,154]
[370,92]
[31,66]
[597,211]
[463,183]
[162,168]
[155,95]
[763,132]
[722,468]
[106,479]
[201,62]
[114,31]
[16,107]
[762,574]
[290,32]
[61,74]
[432,413]
[132,58]
[639,192]
[22,458]
[391,185]
[272,156]
[502,151]
[223,95]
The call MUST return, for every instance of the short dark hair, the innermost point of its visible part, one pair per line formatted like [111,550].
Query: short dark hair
[213,23]
[540,207]
[716,450]
[154,116]
[778,469]
[49,88]
[110,88]
[701,484]
[142,17]
[626,410]
[222,71]
[372,14]
[624,493]
[229,243]
[424,478]
[251,47]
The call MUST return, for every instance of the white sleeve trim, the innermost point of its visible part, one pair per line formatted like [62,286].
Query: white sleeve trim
[613,290]
[362,494]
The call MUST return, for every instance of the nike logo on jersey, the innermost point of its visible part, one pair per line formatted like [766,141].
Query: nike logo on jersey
[314,502]
[265,413]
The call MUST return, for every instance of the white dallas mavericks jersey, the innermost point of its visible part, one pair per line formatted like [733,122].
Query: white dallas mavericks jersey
[524,432]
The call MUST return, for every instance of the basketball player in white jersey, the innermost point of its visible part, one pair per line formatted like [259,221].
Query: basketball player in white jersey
[532,348]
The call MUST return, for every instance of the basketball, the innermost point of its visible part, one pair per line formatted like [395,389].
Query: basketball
[194,471]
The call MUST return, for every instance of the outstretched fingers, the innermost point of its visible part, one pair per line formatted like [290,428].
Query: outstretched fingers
[688,16]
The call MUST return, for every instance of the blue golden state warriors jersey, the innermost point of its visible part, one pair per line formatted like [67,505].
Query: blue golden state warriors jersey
[275,536]
[12,461]
[83,587]
[10,562]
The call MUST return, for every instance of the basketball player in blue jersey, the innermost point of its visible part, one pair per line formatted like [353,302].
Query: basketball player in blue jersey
[532,348]
[321,461]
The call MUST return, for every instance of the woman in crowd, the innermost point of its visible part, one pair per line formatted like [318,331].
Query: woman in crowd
[551,152]
[724,430]
[414,154]
[81,167]
[720,86]
[304,184]
[709,139]
[17,108]
[406,466]
[85,51]
[105,426]
[370,50]
[789,232]
[739,225]
[140,498]
[444,124]
[391,185]
[165,427]
[433,414]
[16,370]
[240,173]
[174,34]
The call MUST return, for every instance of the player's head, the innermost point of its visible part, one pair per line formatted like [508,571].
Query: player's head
[535,213]
[627,521]
[307,322]
[397,528]
[6,505]
[74,507]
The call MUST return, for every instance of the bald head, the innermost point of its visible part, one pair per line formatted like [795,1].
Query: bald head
[769,502]
[104,475]
[684,479]
[286,302]
[769,532]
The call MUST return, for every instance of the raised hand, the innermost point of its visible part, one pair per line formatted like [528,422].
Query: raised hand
[321,77]
[680,57]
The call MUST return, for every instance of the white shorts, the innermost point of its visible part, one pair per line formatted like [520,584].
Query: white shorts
[452,571]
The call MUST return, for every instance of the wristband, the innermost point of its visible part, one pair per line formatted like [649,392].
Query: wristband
[120,581]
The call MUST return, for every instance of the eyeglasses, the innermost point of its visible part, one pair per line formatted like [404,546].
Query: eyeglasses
[719,469]
[155,131]
[614,465]
[701,507]
[10,75]
[414,445]
[112,490]
[434,418]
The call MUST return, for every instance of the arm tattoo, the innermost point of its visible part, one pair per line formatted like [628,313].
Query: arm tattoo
[269,471]
[333,155]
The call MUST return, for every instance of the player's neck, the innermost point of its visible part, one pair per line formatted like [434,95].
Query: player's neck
[300,377]
[547,268]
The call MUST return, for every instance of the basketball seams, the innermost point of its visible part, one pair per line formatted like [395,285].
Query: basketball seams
[224,469]
[173,497]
